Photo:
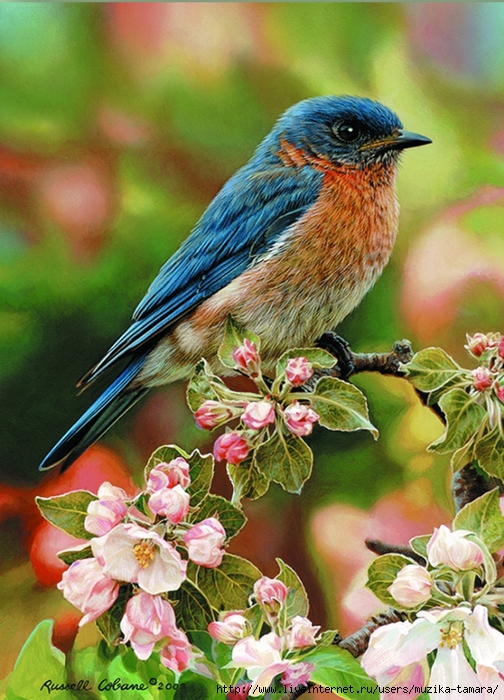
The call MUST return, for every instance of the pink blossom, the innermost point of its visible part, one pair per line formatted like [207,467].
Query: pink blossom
[501,348]
[482,378]
[301,633]
[137,555]
[247,357]
[85,585]
[169,474]
[454,549]
[211,414]
[204,543]
[258,414]
[477,344]
[107,511]
[298,370]
[147,619]
[297,674]
[171,503]
[261,658]
[300,418]
[270,593]
[412,586]
[232,447]
[499,388]
[177,653]
[231,627]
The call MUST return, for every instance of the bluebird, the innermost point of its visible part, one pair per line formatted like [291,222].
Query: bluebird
[288,247]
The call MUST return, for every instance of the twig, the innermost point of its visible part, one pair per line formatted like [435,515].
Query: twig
[379,547]
[357,643]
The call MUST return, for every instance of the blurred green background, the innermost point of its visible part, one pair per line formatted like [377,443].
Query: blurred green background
[118,123]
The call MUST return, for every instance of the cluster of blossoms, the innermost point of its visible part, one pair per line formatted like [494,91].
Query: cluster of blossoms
[279,652]
[456,590]
[136,547]
[488,378]
[272,404]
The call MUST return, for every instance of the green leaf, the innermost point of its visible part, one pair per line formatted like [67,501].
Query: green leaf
[381,574]
[483,517]
[463,418]
[192,686]
[336,668]
[320,359]
[229,586]
[286,459]
[231,518]
[233,338]
[297,599]
[341,406]
[71,555]
[326,639]
[463,456]
[109,622]
[489,451]
[247,480]
[192,609]
[68,511]
[419,545]
[431,369]
[39,662]
[199,388]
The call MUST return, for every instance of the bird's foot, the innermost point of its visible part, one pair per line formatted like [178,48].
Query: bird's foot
[340,349]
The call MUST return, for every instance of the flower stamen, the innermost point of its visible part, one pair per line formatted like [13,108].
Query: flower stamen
[144,553]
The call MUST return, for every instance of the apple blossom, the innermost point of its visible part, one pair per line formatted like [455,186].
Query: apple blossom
[107,511]
[270,593]
[454,549]
[477,344]
[211,414]
[232,447]
[147,619]
[261,658]
[171,503]
[482,378]
[87,587]
[230,628]
[177,653]
[499,388]
[247,357]
[297,674]
[500,350]
[300,418]
[168,475]
[298,370]
[412,586]
[258,414]
[137,555]
[204,542]
[301,633]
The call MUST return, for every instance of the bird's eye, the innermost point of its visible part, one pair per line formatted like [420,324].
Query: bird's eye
[348,132]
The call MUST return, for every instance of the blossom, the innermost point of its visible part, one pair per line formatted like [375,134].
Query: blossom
[500,350]
[301,633]
[137,555]
[87,587]
[300,418]
[107,511]
[171,503]
[204,543]
[482,378]
[258,414]
[477,344]
[499,388]
[147,619]
[177,653]
[412,586]
[232,447]
[247,357]
[261,658]
[298,370]
[211,414]
[169,474]
[270,593]
[454,549]
[297,674]
[230,628]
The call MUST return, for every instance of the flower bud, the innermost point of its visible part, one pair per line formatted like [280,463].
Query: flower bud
[247,357]
[483,378]
[301,633]
[412,586]
[170,503]
[298,370]
[300,418]
[88,588]
[232,447]
[169,474]
[270,593]
[477,344]
[258,414]
[147,619]
[204,542]
[454,550]
[231,627]
[499,388]
[177,653]
[211,414]
[106,512]
[500,350]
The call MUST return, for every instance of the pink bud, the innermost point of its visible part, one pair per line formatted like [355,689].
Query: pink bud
[477,344]
[298,371]
[169,474]
[483,378]
[501,348]
[270,593]
[85,585]
[232,447]
[170,503]
[211,414]
[147,619]
[247,357]
[297,674]
[106,512]
[258,414]
[177,654]
[454,550]
[499,388]
[301,633]
[204,543]
[300,418]
[412,586]
[231,627]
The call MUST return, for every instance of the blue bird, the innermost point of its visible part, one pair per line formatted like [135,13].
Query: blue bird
[288,247]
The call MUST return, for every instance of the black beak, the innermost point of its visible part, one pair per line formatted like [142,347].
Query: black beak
[407,139]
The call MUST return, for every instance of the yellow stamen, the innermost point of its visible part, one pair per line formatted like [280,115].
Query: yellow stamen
[451,637]
[144,553]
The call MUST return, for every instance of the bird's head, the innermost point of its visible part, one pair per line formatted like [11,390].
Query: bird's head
[351,131]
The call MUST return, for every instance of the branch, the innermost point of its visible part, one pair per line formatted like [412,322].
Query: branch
[358,642]
[379,547]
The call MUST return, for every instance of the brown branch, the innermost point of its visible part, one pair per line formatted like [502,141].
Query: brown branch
[358,642]
[379,547]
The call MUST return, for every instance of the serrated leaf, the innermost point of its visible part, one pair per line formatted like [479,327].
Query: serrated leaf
[419,545]
[320,359]
[68,511]
[483,517]
[381,574]
[248,481]
[341,406]
[336,667]
[192,609]
[297,600]
[431,369]
[199,388]
[285,459]
[489,451]
[201,472]
[231,518]
[229,586]
[109,622]
[70,555]
[463,418]
[233,338]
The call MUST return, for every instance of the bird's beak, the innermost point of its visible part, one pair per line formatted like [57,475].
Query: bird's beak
[397,141]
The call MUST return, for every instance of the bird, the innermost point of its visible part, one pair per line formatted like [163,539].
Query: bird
[288,248]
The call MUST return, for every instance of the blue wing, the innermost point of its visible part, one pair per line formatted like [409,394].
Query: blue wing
[247,216]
